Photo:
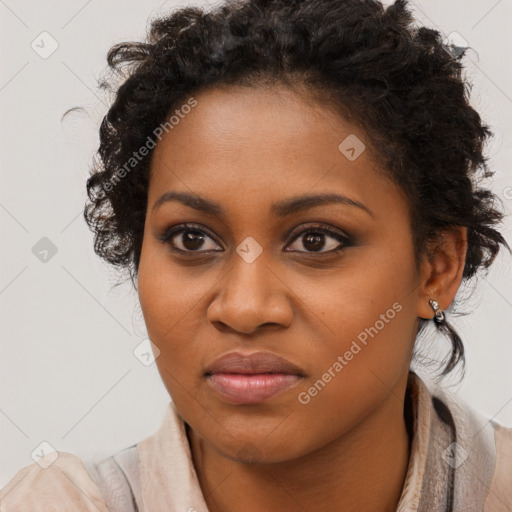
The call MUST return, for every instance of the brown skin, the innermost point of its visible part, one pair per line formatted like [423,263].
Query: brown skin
[348,448]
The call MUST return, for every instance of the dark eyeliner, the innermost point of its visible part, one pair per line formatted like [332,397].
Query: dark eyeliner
[346,240]
[179,228]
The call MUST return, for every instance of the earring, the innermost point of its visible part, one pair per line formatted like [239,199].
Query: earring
[439,315]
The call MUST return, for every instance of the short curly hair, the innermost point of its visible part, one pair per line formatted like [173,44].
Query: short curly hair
[370,64]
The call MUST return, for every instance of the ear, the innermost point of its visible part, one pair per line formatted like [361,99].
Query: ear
[441,270]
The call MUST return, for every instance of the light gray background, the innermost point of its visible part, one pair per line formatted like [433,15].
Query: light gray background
[68,373]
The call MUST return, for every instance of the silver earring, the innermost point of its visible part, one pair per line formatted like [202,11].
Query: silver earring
[439,315]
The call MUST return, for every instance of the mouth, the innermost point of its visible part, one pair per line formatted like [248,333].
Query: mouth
[251,388]
[252,378]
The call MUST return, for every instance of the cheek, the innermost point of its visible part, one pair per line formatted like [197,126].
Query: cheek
[364,332]
[365,349]
[164,291]
[359,361]
[170,299]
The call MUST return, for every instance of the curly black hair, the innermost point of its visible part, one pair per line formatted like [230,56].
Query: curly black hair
[370,64]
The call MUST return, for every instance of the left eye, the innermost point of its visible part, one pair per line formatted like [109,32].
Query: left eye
[313,240]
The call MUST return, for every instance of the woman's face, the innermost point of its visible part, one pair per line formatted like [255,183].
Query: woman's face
[331,287]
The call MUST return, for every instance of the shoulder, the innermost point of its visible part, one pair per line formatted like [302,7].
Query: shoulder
[58,482]
[481,452]
[118,479]
[500,491]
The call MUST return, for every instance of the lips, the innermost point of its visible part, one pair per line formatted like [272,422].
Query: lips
[257,362]
[252,378]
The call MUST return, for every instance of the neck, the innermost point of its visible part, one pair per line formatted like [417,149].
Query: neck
[362,470]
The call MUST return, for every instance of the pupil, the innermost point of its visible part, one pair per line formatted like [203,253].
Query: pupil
[316,239]
[192,240]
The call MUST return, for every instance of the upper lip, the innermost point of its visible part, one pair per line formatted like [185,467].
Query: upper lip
[257,362]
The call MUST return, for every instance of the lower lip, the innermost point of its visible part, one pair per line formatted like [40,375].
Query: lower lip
[251,388]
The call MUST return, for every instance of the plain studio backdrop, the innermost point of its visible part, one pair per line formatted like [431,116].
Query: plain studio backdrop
[72,374]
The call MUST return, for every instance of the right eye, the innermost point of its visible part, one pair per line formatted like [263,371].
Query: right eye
[191,239]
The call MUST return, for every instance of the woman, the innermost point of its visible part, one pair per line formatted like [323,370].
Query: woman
[292,186]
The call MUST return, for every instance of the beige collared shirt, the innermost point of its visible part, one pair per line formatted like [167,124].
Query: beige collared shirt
[460,461]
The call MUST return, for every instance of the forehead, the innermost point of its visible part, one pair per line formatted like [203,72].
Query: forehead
[243,121]
[263,143]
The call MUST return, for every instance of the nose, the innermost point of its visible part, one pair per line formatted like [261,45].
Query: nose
[251,295]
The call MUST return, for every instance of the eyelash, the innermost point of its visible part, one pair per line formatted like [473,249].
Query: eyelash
[183,228]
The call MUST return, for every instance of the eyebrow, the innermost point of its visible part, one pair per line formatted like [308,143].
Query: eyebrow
[280,209]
